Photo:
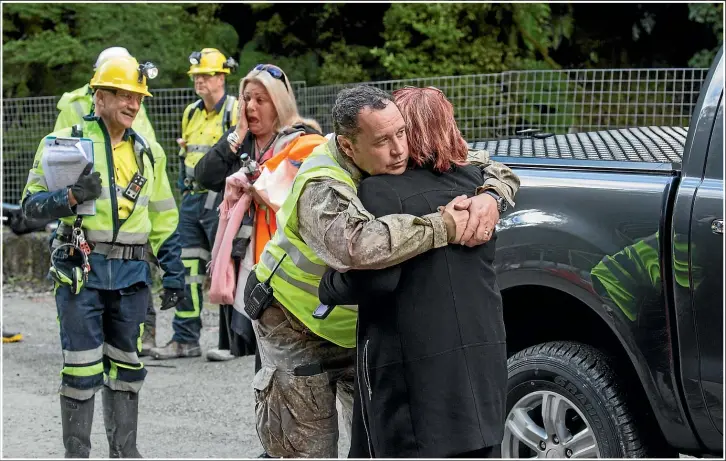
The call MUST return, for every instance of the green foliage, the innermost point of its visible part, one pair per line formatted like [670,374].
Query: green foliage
[710,14]
[455,39]
[302,67]
[330,41]
[51,48]
[345,63]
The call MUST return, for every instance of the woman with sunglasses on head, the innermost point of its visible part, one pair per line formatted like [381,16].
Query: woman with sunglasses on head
[431,367]
[268,122]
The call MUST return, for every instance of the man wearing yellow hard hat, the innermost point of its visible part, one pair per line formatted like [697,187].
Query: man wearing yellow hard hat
[73,106]
[203,123]
[100,259]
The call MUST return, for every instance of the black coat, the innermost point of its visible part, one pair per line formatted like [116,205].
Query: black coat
[432,370]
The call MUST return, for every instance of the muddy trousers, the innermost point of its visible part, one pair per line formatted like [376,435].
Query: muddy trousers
[296,388]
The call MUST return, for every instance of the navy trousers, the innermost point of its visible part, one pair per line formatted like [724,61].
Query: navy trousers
[100,332]
[198,221]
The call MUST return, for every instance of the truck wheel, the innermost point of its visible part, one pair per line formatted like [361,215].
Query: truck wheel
[565,401]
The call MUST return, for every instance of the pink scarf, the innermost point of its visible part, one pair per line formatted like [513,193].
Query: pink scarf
[233,208]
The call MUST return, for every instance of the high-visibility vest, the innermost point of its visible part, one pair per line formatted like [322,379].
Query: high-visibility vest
[201,130]
[296,150]
[155,205]
[295,283]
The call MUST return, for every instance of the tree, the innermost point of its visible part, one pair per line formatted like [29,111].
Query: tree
[710,14]
[455,39]
[318,43]
[51,48]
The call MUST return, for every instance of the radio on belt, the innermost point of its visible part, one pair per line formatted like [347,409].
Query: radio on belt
[134,188]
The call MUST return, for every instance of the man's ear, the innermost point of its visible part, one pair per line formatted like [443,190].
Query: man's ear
[346,145]
[98,99]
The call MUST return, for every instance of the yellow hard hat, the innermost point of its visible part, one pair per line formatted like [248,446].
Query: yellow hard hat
[210,61]
[124,73]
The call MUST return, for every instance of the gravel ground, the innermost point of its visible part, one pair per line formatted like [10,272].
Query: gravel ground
[190,408]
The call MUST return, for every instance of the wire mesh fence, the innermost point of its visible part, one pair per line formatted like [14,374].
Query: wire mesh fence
[487,106]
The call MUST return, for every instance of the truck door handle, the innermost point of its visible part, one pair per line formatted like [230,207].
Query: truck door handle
[717,226]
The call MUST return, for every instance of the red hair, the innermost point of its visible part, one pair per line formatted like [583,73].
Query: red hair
[433,135]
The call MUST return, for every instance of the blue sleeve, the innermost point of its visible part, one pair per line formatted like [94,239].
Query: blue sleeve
[47,205]
[336,288]
[169,257]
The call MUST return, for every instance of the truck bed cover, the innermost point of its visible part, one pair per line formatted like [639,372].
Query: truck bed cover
[643,144]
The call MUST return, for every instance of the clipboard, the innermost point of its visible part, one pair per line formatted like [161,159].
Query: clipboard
[64,159]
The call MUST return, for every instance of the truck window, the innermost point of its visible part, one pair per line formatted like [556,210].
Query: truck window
[714,162]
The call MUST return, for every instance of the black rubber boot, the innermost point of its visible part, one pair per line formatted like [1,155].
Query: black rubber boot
[121,417]
[77,419]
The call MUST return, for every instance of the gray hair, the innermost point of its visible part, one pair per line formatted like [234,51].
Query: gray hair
[349,103]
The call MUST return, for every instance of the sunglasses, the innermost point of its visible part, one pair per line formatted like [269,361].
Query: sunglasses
[275,72]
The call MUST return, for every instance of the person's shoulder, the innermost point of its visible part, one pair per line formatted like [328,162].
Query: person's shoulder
[156,150]
[384,183]
[379,195]
[469,169]
[302,128]
[468,172]
[381,180]
[192,106]
[415,173]
[79,94]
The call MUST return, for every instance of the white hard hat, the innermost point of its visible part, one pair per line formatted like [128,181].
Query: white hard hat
[113,52]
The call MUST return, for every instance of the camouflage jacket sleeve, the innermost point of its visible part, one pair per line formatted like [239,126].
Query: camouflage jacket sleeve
[498,176]
[334,224]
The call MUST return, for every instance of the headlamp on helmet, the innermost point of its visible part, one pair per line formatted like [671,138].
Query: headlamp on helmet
[195,58]
[149,70]
[231,64]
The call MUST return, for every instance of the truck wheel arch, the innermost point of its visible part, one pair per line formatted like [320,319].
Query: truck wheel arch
[528,324]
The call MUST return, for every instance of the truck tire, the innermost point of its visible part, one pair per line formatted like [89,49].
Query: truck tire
[564,400]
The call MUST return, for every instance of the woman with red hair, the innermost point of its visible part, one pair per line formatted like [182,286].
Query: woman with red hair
[431,367]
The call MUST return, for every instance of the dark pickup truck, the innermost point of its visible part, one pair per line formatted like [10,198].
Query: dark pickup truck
[611,271]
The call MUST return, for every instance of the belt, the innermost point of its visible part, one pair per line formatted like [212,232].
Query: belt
[133,252]
[316,368]
[115,251]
